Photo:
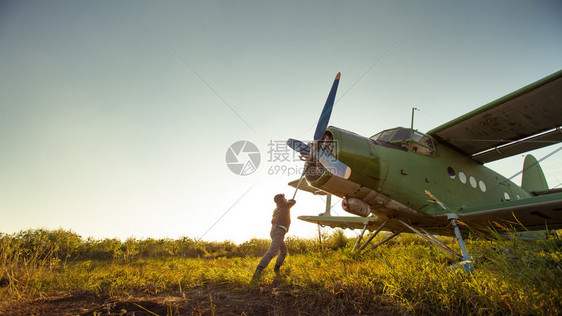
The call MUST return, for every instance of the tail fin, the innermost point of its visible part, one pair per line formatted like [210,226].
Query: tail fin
[533,179]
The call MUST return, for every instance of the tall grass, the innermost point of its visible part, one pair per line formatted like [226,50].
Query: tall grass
[407,275]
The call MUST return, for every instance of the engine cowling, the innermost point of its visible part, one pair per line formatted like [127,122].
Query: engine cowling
[356,206]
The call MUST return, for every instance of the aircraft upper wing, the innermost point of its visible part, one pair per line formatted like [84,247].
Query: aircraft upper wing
[526,119]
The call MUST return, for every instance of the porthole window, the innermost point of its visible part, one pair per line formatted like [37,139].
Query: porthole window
[506,196]
[462,177]
[482,186]
[473,182]
[451,172]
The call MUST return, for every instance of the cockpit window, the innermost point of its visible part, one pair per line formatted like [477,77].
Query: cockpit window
[418,136]
[408,139]
[384,136]
[401,134]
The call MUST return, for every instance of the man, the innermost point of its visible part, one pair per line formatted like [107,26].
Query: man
[280,222]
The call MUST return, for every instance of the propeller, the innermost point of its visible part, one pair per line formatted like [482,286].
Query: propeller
[299,146]
[323,157]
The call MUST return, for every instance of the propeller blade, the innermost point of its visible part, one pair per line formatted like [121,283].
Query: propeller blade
[333,165]
[299,146]
[327,111]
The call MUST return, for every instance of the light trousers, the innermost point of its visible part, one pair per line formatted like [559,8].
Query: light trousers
[277,246]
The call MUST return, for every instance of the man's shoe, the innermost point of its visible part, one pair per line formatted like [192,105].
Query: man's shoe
[257,274]
[276,269]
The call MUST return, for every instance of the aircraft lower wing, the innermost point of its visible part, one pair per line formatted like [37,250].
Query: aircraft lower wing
[349,222]
[304,186]
[538,213]
[374,223]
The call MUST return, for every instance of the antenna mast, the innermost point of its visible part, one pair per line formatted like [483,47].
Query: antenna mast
[412,124]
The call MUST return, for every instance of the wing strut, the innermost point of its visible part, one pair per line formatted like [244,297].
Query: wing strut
[328,205]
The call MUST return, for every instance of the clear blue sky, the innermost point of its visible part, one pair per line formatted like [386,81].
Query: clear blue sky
[115,117]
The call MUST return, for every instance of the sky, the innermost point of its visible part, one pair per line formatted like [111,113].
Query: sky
[116,117]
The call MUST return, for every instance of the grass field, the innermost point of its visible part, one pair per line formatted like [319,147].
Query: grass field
[61,273]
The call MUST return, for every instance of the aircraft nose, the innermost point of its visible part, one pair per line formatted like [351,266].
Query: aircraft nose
[359,153]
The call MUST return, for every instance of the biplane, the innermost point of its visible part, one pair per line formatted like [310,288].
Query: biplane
[436,183]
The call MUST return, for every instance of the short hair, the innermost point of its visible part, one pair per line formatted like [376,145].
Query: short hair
[279,198]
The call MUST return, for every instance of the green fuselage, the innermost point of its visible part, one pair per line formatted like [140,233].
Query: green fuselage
[407,178]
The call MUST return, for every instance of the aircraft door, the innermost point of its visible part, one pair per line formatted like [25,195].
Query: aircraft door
[380,155]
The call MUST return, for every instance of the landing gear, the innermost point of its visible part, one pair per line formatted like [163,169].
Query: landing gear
[466,262]
[388,239]
[429,237]
[361,235]
[370,238]
[465,259]
[373,236]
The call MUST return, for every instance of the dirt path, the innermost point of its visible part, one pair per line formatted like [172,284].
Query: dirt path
[196,302]
[92,304]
